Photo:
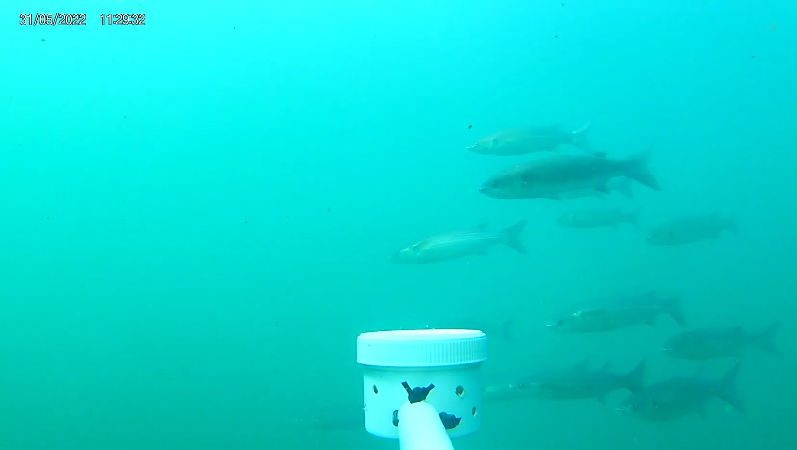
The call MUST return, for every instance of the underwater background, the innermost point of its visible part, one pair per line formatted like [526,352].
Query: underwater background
[198,212]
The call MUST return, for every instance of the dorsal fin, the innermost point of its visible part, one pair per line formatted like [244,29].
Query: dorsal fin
[606,367]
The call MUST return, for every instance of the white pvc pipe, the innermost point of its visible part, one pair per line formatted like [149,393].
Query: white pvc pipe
[420,428]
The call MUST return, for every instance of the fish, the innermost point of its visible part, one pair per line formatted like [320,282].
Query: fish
[505,392]
[689,229]
[622,312]
[458,244]
[720,342]
[525,140]
[563,173]
[598,217]
[574,383]
[678,397]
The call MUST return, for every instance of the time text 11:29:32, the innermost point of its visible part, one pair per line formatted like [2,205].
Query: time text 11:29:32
[123,19]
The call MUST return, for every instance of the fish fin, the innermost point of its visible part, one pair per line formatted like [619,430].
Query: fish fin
[602,188]
[599,154]
[764,339]
[601,399]
[623,186]
[674,310]
[651,322]
[511,237]
[578,138]
[635,379]
[606,367]
[423,245]
[727,388]
[552,127]
[637,168]
[633,219]
[482,226]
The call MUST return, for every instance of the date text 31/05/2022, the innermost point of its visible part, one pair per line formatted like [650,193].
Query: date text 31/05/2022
[60,19]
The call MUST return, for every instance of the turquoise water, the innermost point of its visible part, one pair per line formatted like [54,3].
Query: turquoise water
[197,212]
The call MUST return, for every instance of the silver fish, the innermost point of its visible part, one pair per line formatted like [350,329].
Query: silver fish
[618,313]
[554,176]
[457,244]
[577,382]
[678,397]
[691,229]
[521,141]
[720,342]
[598,217]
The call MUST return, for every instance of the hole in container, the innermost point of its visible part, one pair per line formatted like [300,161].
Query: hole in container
[473,411]
[460,391]
[376,391]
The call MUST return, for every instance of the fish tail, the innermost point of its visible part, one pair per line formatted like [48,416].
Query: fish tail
[511,237]
[578,138]
[727,391]
[764,339]
[675,311]
[637,169]
[635,379]
[633,218]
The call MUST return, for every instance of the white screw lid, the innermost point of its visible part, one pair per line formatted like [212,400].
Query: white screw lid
[421,348]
